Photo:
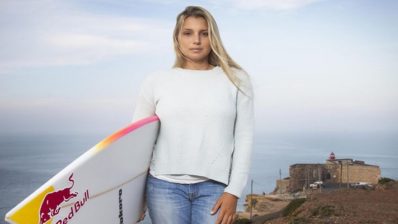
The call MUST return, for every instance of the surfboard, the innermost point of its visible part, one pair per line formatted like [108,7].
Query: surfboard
[104,185]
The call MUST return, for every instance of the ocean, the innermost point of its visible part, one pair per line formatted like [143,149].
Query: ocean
[28,161]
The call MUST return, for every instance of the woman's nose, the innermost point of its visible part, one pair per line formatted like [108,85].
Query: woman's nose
[197,39]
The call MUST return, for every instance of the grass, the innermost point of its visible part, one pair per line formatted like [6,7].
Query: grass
[292,206]
[385,180]
[242,221]
[298,221]
[324,211]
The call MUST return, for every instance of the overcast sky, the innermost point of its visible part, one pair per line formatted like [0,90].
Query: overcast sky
[316,65]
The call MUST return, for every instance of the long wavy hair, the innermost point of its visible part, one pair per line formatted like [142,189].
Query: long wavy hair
[218,55]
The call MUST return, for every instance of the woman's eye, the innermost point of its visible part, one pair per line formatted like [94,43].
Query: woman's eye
[205,34]
[186,33]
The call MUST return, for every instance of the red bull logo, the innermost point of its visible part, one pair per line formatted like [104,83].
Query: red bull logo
[52,203]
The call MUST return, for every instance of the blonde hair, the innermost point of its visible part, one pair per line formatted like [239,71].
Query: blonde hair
[218,55]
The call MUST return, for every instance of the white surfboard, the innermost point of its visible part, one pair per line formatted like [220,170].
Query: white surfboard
[105,185]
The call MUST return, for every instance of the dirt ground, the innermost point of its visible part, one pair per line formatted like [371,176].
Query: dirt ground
[351,206]
[264,207]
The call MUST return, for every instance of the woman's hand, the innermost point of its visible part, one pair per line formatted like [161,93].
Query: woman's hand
[227,206]
[142,216]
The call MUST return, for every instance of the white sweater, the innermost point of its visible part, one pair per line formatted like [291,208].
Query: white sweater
[197,110]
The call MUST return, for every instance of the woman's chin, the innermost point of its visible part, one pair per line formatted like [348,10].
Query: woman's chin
[196,59]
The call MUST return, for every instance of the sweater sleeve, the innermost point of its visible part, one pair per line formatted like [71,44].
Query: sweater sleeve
[244,129]
[145,104]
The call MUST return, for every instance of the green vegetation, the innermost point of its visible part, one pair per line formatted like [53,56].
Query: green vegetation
[385,180]
[298,221]
[292,206]
[242,221]
[324,211]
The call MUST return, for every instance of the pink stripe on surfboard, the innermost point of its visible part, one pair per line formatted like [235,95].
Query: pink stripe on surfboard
[115,136]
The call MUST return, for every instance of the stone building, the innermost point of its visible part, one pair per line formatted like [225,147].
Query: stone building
[302,175]
[282,185]
[334,171]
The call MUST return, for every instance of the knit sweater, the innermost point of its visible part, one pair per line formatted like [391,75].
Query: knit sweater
[206,124]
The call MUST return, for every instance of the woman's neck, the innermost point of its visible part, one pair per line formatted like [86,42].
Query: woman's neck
[197,66]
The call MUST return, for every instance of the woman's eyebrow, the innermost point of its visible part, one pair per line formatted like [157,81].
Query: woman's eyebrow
[188,29]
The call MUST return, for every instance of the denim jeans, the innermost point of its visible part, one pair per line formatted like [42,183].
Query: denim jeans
[182,203]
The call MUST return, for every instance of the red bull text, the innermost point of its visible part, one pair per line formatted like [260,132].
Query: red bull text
[52,204]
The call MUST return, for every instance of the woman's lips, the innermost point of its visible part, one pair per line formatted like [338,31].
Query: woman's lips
[195,49]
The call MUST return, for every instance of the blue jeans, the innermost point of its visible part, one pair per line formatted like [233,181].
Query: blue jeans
[182,203]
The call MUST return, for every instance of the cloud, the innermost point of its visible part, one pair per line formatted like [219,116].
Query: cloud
[58,35]
[76,48]
[279,5]
[52,33]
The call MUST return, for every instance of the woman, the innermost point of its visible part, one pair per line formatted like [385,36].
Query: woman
[201,159]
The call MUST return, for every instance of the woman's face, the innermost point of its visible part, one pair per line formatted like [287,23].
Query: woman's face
[194,40]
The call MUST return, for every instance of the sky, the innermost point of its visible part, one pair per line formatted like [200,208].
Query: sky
[317,66]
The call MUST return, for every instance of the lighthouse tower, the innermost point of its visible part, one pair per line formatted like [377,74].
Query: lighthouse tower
[332,156]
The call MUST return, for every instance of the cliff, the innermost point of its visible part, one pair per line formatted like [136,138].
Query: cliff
[354,206]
